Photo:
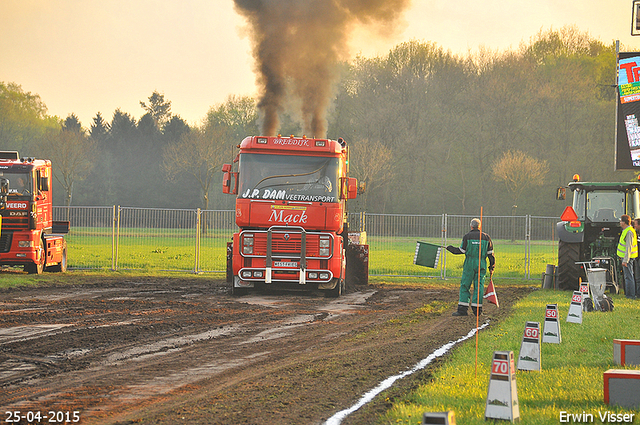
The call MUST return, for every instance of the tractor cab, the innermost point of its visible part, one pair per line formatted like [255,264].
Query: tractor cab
[590,228]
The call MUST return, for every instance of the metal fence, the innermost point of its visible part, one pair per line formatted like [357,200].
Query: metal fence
[123,238]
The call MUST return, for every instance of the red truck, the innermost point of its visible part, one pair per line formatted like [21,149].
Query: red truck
[28,235]
[291,211]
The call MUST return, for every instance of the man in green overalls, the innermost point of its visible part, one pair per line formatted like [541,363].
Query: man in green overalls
[477,247]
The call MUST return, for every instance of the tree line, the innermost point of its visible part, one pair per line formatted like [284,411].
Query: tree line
[430,132]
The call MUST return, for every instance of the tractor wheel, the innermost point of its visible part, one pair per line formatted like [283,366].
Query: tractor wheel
[568,270]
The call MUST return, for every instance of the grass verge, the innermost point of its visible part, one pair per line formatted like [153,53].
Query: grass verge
[571,380]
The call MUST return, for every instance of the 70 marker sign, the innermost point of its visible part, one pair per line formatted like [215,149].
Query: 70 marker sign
[500,367]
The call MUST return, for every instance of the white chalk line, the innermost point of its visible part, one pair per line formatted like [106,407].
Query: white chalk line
[338,417]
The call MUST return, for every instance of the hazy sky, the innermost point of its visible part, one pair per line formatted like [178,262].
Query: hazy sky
[89,56]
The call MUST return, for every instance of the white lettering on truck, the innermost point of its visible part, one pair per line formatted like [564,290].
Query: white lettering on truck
[279,216]
[16,205]
[295,142]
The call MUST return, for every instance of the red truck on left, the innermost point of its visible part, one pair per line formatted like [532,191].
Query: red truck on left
[28,235]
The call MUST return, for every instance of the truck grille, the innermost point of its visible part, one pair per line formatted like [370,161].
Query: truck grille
[282,247]
[5,241]
[14,223]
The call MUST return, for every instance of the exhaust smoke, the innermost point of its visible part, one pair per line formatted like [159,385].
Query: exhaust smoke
[297,45]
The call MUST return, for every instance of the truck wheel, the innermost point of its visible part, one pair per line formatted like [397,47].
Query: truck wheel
[62,266]
[237,291]
[336,291]
[568,270]
[33,268]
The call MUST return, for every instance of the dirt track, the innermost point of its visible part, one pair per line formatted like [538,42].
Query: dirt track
[166,351]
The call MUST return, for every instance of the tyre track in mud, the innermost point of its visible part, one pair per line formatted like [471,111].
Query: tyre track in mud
[155,350]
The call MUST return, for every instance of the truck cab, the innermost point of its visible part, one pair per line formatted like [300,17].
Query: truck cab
[291,213]
[29,237]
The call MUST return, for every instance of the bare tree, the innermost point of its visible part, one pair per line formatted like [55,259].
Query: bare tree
[70,151]
[519,171]
[372,163]
[197,154]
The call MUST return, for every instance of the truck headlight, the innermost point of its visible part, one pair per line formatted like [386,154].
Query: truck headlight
[324,276]
[247,244]
[324,252]
[325,243]
[25,244]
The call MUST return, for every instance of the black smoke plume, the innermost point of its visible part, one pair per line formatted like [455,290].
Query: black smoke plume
[297,45]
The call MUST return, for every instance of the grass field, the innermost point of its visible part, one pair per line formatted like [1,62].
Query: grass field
[571,379]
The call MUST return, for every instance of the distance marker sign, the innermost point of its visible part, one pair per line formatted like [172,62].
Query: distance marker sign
[502,395]
[551,332]
[575,308]
[529,357]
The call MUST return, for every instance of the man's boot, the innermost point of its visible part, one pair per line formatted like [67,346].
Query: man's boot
[462,311]
[477,311]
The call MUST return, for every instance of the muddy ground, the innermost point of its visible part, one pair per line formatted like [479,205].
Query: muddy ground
[176,350]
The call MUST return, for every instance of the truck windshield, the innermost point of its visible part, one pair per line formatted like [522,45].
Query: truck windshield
[602,206]
[288,177]
[20,184]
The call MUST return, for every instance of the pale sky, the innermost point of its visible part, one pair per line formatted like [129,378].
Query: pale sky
[89,56]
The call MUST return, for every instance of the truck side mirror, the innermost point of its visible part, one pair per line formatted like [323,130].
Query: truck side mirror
[362,187]
[229,186]
[44,184]
[352,188]
[561,194]
[4,190]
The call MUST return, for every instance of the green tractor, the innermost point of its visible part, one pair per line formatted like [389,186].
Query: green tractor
[590,229]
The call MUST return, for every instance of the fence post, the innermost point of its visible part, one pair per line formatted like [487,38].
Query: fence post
[527,247]
[116,233]
[196,265]
[443,266]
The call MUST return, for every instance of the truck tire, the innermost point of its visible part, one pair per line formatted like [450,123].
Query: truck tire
[568,270]
[33,268]
[236,292]
[336,291]
[61,267]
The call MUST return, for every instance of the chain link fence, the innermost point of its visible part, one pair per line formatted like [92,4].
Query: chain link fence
[523,245]
[123,238]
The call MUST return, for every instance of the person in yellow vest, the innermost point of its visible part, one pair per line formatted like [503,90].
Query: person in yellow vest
[636,267]
[628,253]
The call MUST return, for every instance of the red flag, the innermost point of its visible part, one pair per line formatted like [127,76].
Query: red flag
[490,293]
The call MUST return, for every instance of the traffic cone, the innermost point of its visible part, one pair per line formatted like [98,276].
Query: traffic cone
[490,292]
